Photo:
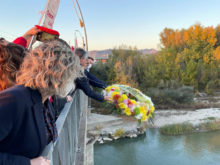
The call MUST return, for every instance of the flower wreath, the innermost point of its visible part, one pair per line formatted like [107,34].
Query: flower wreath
[130,101]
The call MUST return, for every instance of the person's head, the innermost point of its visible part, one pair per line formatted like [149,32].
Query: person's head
[91,60]
[81,53]
[11,57]
[3,41]
[50,68]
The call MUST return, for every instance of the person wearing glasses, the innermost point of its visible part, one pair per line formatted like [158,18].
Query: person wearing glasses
[90,62]
[84,62]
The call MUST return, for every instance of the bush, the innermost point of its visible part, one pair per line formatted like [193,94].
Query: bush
[210,126]
[119,132]
[186,128]
[212,85]
[181,95]
[104,72]
[177,129]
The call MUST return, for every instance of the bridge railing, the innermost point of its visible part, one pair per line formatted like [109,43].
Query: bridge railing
[70,148]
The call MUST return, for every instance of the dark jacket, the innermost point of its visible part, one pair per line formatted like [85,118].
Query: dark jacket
[94,81]
[83,84]
[58,104]
[22,126]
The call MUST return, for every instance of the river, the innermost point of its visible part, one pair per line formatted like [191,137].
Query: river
[154,148]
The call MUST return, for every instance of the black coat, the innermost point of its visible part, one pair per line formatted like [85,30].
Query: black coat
[94,81]
[83,84]
[22,126]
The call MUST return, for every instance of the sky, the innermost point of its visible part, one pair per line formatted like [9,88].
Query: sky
[111,23]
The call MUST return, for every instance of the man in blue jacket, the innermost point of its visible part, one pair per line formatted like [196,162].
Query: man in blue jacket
[93,81]
[84,83]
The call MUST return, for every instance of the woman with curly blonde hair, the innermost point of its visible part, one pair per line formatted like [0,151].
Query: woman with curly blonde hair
[27,122]
[53,65]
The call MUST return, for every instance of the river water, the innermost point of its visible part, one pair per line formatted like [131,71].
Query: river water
[154,148]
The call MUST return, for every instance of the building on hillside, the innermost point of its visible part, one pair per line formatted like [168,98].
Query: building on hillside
[99,57]
[103,55]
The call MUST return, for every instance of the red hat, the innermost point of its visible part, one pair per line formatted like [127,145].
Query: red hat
[50,31]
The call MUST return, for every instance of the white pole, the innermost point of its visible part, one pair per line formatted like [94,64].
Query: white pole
[41,18]
[83,22]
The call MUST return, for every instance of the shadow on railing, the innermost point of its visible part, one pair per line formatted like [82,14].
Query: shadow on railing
[70,148]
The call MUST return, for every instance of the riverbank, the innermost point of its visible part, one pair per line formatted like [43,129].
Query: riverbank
[198,118]
[180,122]
[126,127]
[173,122]
[195,117]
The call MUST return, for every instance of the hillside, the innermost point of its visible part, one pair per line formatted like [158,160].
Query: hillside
[104,53]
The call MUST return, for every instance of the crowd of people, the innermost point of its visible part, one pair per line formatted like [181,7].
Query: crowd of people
[34,86]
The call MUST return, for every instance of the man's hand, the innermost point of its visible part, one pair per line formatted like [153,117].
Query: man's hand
[107,98]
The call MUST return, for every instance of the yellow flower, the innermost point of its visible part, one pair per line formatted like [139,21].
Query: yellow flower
[144,118]
[115,93]
[120,100]
[122,106]
[149,116]
[143,110]
[133,102]
[127,111]
[108,88]
[124,97]
[152,109]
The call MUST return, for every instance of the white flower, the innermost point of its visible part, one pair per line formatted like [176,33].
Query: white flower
[139,116]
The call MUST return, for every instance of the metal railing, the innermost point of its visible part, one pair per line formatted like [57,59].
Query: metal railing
[70,148]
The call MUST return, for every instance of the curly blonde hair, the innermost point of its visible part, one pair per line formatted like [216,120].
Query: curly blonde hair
[49,67]
[11,57]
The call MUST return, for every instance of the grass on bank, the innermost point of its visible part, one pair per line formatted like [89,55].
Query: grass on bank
[187,128]
[119,132]
[177,129]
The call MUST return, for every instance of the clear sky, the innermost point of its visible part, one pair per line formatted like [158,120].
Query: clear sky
[111,23]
